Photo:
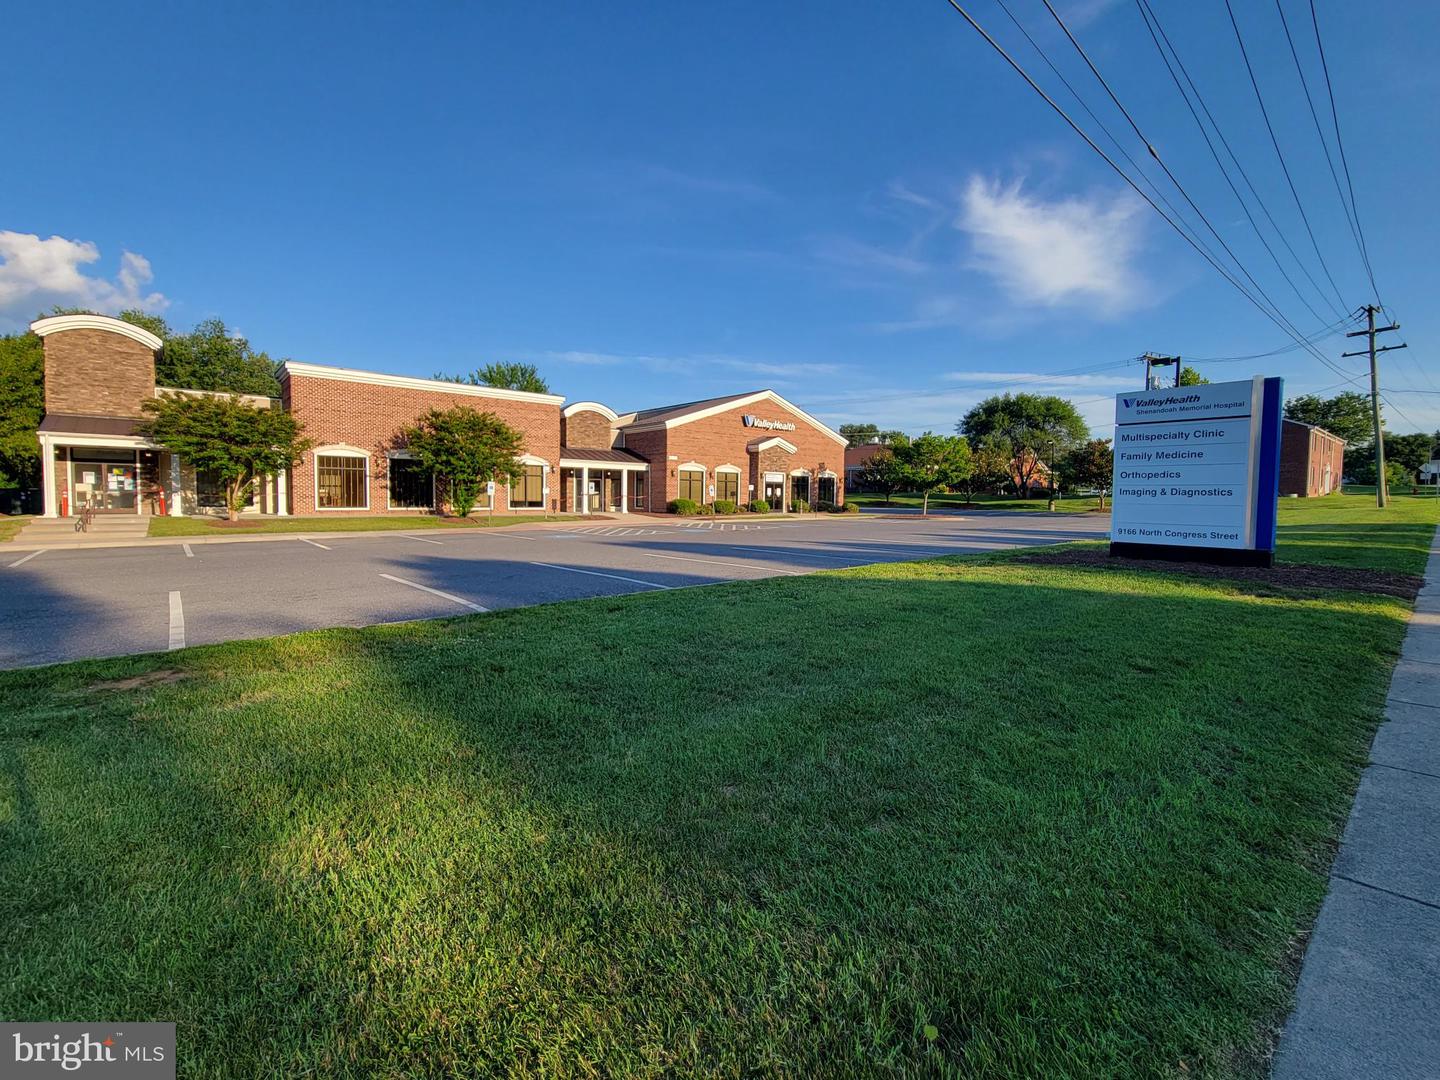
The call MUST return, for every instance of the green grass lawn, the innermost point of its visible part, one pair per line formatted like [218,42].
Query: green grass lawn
[965,815]
[1349,530]
[207,526]
[1068,505]
[10,526]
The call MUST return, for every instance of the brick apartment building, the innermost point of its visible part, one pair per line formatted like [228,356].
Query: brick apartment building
[1311,460]
[578,459]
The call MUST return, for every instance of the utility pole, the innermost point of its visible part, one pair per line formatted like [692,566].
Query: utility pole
[1382,489]
[1152,361]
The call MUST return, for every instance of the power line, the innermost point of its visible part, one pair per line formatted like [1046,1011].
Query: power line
[1319,335]
[1275,142]
[1156,155]
[1324,143]
[1340,144]
[1148,15]
[1278,317]
[1079,98]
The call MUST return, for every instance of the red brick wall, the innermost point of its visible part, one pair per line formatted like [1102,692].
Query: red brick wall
[721,440]
[1304,453]
[370,417]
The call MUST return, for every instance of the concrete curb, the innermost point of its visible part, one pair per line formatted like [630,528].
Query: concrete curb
[1368,1002]
[614,521]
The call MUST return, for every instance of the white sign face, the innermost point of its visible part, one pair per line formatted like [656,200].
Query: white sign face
[1185,465]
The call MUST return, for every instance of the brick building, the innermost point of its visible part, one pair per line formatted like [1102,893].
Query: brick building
[856,457]
[1311,460]
[583,458]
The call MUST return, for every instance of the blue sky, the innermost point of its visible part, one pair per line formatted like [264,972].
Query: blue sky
[856,204]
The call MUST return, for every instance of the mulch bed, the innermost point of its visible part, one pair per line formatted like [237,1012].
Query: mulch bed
[1285,576]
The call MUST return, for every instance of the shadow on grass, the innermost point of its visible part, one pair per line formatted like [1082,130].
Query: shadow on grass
[891,820]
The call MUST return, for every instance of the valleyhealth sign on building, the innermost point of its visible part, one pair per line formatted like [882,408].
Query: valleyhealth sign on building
[1197,472]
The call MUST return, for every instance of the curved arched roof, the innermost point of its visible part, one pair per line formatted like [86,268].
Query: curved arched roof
[590,406]
[56,323]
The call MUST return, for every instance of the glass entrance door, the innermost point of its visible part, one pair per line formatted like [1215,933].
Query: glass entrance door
[104,486]
[592,496]
[775,492]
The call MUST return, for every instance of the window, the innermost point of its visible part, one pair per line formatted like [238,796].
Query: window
[827,489]
[727,486]
[692,485]
[342,482]
[637,490]
[529,490]
[800,489]
[210,492]
[411,485]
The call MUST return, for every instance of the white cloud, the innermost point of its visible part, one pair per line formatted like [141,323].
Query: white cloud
[37,274]
[1071,252]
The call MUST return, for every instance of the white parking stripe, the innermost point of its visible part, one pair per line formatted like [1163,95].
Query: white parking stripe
[177,622]
[723,562]
[422,539]
[27,558]
[434,592]
[793,554]
[907,545]
[312,543]
[188,553]
[596,573]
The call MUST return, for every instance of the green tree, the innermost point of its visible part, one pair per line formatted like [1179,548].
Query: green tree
[1190,377]
[504,376]
[883,470]
[866,434]
[212,357]
[465,449]
[146,321]
[932,463]
[1346,414]
[1363,471]
[1091,464]
[22,405]
[1035,429]
[989,470]
[218,432]
[1409,451]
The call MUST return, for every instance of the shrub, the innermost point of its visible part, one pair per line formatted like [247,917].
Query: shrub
[825,507]
[799,506]
[705,510]
[759,506]
[683,507]
[725,506]
[848,508]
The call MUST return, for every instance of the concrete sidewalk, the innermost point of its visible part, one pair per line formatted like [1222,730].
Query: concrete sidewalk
[1368,1003]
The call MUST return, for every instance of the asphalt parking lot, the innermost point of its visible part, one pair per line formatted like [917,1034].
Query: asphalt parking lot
[59,605]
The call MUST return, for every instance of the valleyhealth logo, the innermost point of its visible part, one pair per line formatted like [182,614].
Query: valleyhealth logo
[1169,399]
[751,420]
[123,1052]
